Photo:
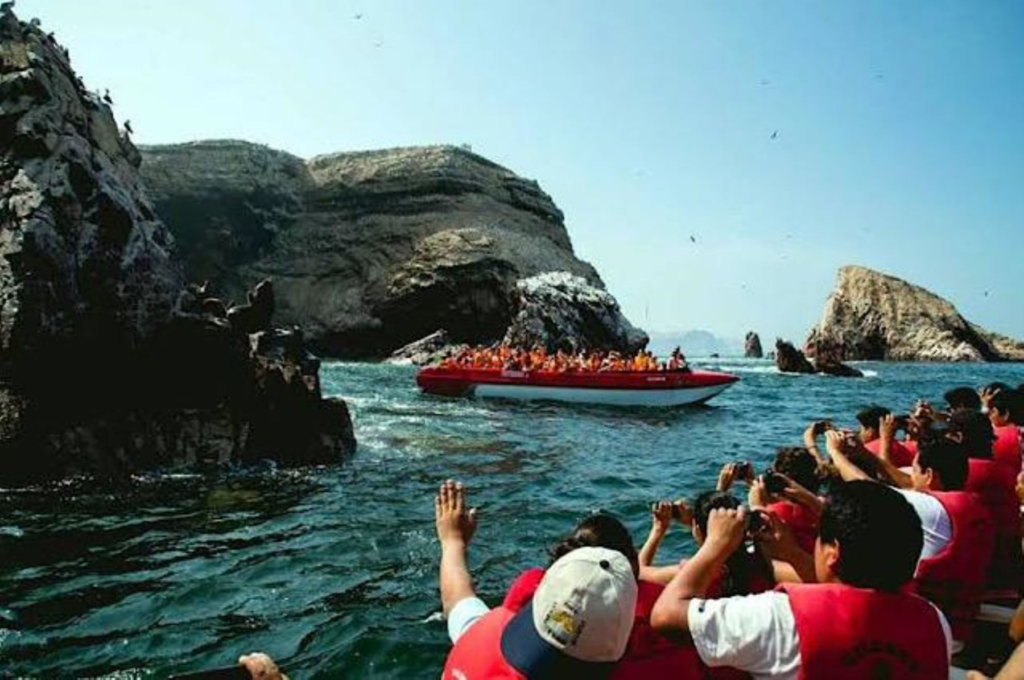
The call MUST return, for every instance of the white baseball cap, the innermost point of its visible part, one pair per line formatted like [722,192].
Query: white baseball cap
[579,620]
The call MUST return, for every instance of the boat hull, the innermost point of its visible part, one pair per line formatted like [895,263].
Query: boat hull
[661,389]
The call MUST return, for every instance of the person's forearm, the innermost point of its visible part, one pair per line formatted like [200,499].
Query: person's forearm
[456,583]
[811,444]
[670,613]
[660,575]
[650,547]
[898,476]
[847,470]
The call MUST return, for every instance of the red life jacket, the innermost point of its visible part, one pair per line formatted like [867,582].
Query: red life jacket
[955,578]
[899,455]
[801,520]
[849,633]
[1006,448]
[996,484]
[648,654]
[477,654]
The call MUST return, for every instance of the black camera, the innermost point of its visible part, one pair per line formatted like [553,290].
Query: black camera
[774,482]
[744,470]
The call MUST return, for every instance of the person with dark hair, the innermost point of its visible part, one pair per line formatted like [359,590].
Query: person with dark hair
[871,436]
[647,654]
[1001,413]
[954,578]
[995,483]
[962,399]
[787,491]
[868,419]
[856,621]
[577,624]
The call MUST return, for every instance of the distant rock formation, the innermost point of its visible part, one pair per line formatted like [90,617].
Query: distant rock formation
[109,363]
[789,359]
[368,250]
[562,311]
[752,346]
[873,316]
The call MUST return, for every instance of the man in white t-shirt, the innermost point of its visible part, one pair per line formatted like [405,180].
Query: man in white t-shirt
[854,622]
[935,522]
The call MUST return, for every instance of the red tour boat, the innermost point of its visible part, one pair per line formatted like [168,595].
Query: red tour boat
[619,388]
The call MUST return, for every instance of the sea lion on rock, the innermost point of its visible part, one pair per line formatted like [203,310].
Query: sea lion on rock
[256,315]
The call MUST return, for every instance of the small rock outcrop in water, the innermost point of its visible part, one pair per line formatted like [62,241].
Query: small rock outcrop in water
[874,316]
[826,360]
[109,363]
[562,311]
[791,360]
[752,346]
[369,250]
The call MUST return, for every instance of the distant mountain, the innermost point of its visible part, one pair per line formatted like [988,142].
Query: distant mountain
[694,343]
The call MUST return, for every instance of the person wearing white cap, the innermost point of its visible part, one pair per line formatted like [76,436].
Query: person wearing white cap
[577,624]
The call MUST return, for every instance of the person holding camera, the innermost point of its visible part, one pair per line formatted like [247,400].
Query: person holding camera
[856,621]
[788,490]
[747,571]
[959,537]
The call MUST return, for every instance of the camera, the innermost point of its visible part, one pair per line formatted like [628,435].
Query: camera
[744,470]
[823,426]
[774,482]
[756,522]
[902,422]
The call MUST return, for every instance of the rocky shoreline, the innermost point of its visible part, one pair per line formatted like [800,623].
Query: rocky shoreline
[109,362]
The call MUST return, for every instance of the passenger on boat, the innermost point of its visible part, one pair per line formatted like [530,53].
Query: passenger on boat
[855,622]
[1006,449]
[789,491]
[996,484]
[870,420]
[746,571]
[961,399]
[648,655]
[959,537]
[578,623]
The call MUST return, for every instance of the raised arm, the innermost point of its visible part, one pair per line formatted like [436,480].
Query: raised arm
[887,434]
[670,615]
[455,528]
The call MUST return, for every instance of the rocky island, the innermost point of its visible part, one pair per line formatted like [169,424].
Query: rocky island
[109,361]
[372,250]
[874,316]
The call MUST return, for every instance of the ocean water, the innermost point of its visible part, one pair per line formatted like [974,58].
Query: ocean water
[333,570]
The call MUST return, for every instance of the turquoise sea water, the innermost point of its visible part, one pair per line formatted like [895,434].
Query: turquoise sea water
[333,571]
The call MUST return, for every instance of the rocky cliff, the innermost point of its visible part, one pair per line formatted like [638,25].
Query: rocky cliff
[368,250]
[108,361]
[874,316]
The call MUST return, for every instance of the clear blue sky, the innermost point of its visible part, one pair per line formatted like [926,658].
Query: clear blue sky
[900,127]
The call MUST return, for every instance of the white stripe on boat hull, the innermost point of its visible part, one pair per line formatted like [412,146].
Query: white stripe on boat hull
[670,397]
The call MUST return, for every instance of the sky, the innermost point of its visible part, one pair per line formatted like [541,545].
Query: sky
[786,138]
